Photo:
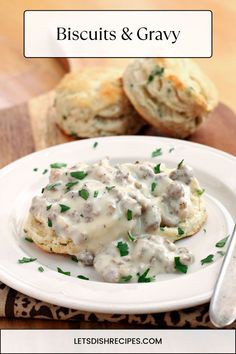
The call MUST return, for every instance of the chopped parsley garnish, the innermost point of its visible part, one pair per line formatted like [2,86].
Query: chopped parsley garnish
[45,171]
[171,149]
[83,193]
[41,269]
[158,71]
[49,222]
[180,266]
[222,253]
[35,169]
[123,248]
[180,231]
[157,152]
[153,186]
[222,242]
[180,164]
[142,278]
[74,259]
[95,144]
[26,260]
[208,259]
[204,230]
[95,194]
[64,208]
[69,185]
[53,186]
[49,207]
[200,191]
[62,271]
[42,190]
[28,239]
[82,277]
[110,188]
[125,278]
[131,237]
[74,135]
[162,228]
[78,174]
[157,168]
[129,215]
[58,165]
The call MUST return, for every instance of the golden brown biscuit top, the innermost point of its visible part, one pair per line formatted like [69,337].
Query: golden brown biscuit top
[93,86]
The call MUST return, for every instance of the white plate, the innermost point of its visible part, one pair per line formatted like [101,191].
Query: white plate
[216,172]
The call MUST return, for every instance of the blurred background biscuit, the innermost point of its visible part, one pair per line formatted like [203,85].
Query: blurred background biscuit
[173,95]
[92,102]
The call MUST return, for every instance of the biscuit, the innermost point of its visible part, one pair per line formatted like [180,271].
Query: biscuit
[173,95]
[85,207]
[92,103]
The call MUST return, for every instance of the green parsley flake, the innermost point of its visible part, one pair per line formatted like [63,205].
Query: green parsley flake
[162,228]
[74,135]
[95,144]
[200,192]
[204,230]
[180,164]
[64,208]
[180,231]
[208,259]
[158,71]
[222,253]
[78,174]
[110,188]
[83,193]
[131,237]
[125,279]
[45,171]
[62,271]
[53,186]
[123,248]
[142,278]
[222,242]
[69,185]
[49,222]
[95,194]
[157,168]
[82,277]
[157,152]
[153,186]
[74,259]
[41,269]
[28,239]
[26,260]
[42,190]
[49,207]
[129,215]
[58,165]
[171,150]
[35,169]
[180,266]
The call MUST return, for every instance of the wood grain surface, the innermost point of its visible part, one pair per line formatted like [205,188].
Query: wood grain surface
[31,126]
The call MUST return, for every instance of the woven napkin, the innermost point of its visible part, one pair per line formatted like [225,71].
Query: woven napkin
[17,305]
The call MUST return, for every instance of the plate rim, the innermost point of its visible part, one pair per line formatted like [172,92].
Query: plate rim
[62,301]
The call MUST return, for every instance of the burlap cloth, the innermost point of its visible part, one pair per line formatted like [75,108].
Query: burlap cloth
[16,305]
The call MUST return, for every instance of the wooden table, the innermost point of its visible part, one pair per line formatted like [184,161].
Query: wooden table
[21,79]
